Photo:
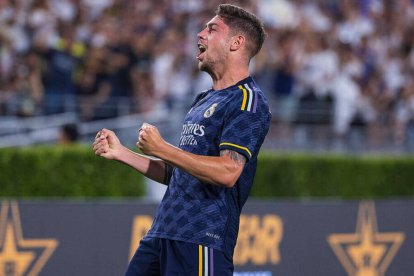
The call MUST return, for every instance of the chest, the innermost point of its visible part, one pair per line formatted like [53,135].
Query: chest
[203,124]
[209,111]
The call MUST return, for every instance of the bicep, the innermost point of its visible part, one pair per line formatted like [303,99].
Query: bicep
[233,163]
[238,159]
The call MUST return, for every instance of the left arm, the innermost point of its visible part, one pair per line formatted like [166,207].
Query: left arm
[223,170]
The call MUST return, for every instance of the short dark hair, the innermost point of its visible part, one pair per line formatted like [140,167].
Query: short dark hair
[71,132]
[240,20]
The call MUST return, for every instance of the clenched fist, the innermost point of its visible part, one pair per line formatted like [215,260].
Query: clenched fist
[107,144]
[150,141]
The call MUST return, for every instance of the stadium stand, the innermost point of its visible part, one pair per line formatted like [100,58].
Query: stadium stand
[339,74]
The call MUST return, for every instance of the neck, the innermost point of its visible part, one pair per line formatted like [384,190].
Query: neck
[229,71]
[228,77]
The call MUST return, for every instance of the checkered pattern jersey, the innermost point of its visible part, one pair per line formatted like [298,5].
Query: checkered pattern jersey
[236,118]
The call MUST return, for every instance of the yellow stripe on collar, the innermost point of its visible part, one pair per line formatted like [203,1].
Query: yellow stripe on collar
[243,107]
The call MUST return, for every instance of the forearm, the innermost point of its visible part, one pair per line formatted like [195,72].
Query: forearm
[155,169]
[216,170]
[223,170]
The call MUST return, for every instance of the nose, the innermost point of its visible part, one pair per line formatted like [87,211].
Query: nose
[201,35]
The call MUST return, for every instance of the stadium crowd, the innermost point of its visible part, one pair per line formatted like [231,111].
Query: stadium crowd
[105,58]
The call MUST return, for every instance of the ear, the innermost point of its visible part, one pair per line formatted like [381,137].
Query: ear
[237,42]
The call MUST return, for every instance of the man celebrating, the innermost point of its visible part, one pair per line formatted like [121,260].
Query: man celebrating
[210,173]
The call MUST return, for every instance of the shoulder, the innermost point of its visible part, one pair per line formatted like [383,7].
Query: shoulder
[248,97]
[200,96]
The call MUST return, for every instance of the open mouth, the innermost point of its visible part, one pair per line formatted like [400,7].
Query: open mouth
[202,48]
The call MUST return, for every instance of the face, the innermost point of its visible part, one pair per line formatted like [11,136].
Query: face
[213,45]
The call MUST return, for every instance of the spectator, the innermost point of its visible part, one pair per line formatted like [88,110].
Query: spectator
[404,113]
[284,78]
[68,134]
[25,91]
[133,45]
[93,87]
[61,62]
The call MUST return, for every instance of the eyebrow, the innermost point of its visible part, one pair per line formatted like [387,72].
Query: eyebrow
[209,25]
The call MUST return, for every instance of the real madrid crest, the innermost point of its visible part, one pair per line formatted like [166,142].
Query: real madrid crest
[210,110]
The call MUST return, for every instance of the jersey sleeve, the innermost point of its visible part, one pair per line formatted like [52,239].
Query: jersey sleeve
[246,123]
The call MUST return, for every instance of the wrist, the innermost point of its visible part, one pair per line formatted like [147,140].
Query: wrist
[120,153]
[166,152]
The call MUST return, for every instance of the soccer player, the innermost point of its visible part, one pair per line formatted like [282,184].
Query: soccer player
[210,173]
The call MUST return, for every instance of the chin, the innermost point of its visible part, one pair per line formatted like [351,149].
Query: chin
[203,66]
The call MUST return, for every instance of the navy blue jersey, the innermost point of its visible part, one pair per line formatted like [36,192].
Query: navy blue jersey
[236,118]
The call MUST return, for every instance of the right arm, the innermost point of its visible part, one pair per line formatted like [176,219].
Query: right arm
[107,145]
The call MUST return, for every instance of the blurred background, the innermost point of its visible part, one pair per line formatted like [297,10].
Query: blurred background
[339,76]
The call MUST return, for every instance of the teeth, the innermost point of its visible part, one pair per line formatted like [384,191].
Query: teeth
[201,47]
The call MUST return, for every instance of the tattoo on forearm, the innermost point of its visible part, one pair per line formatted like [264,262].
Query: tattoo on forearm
[235,156]
[167,173]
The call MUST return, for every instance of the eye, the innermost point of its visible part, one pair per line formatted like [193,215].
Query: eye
[211,29]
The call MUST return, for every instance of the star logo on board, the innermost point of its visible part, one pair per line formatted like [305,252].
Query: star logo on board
[20,256]
[367,252]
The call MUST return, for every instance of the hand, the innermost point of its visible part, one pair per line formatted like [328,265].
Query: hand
[107,144]
[150,141]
